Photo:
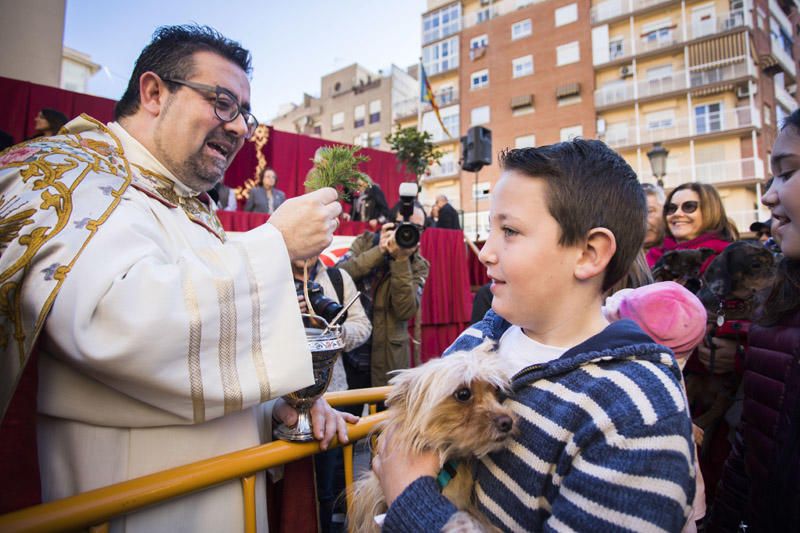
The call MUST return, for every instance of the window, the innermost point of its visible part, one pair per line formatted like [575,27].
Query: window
[524,3]
[337,121]
[566,14]
[660,72]
[483,15]
[659,120]
[479,79]
[479,115]
[781,114]
[521,29]
[657,34]
[375,139]
[568,53]
[481,190]
[358,116]
[440,57]
[441,23]
[708,117]
[569,133]
[616,47]
[361,140]
[374,111]
[522,66]
[481,41]
[526,141]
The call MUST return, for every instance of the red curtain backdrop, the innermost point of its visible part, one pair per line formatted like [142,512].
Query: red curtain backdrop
[290,156]
[22,100]
[477,272]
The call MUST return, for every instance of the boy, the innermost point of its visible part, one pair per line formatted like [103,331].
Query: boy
[604,439]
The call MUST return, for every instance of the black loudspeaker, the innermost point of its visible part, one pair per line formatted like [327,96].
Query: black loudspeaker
[476,149]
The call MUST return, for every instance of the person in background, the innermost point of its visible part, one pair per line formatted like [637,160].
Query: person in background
[762,231]
[337,285]
[266,198]
[370,206]
[655,221]
[760,485]
[447,215]
[6,140]
[694,218]
[392,279]
[48,122]
[224,197]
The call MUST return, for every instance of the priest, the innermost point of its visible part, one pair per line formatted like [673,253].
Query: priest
[159,339]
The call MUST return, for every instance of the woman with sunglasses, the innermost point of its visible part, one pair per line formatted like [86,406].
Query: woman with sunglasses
[759,487]
[694,218]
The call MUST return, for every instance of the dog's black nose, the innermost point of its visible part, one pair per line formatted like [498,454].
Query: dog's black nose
[504,423]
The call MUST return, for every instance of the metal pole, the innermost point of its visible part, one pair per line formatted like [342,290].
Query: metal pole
[477,233]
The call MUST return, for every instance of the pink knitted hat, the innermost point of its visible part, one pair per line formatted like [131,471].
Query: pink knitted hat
[667,312]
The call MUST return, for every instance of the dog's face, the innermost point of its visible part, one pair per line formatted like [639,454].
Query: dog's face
[681,266]
[454,405]
[741,270]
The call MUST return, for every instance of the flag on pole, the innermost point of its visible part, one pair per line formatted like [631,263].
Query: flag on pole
[426,96]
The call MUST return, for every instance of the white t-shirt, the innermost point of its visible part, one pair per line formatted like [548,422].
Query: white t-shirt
[520,351]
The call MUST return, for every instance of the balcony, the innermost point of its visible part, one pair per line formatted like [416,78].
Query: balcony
[610,9]
[712,173]
[699,76]
[784,97]
[405,108]
[443,98]
[445,169]
[626,134]
[719,24]
[784,58]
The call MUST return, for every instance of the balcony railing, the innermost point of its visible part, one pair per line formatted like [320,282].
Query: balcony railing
[721,23]
[784,97]
[698,76]
[712,173]
[625,133]
[784,58]
[615,8]
[405,108]
[443,169]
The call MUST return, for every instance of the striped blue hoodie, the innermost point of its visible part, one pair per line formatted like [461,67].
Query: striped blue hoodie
[605,443]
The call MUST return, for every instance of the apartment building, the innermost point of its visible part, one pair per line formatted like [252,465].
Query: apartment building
[518,67]
[708,79]
[355,106]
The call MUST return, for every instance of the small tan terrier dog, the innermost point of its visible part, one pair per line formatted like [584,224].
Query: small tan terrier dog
[453,406]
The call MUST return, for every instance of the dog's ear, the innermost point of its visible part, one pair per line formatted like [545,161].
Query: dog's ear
[705,253]
[672,261]
[716,277]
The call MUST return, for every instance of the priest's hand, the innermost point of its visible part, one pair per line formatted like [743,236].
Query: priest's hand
[326,421]
[307,222]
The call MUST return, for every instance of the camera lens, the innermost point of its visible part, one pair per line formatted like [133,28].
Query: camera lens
[321,304]
[407,235]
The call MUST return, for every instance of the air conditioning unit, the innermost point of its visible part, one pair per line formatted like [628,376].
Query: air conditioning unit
[626,71]
[743,91]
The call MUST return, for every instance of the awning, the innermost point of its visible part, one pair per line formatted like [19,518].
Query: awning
[522,100]
[726,49]
[569,89]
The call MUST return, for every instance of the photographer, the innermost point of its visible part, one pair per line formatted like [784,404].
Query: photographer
[391,278]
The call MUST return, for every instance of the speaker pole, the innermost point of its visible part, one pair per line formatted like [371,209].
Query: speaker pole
[477,233]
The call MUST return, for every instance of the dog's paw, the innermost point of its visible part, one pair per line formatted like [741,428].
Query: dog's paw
[463,522]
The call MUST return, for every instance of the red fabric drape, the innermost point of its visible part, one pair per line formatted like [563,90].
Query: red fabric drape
[22,100]
[477,272]
[290,156]
[243,221]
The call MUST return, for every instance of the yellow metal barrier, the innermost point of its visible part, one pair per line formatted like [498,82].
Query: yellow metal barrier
[95,507]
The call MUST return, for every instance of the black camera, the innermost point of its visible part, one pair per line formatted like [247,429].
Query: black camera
[325,307]
[407,234]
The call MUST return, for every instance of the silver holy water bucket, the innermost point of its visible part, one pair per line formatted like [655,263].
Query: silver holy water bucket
[325,347]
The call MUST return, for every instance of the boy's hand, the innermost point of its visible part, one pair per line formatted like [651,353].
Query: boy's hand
[397,469]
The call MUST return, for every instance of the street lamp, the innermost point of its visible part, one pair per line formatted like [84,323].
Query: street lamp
[658,162]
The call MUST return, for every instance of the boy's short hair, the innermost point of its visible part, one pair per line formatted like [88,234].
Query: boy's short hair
[589,186]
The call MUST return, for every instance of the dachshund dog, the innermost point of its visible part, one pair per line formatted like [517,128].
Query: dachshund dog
[682,267]
[454,407]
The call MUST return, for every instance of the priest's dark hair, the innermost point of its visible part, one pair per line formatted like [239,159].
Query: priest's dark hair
[169,55]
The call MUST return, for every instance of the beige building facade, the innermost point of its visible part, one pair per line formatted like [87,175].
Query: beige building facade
[708,79]
[32,33]
[355,106]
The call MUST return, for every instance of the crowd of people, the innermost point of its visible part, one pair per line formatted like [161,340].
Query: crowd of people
[655,374]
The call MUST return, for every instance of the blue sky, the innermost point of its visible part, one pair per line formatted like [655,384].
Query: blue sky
[293,43]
